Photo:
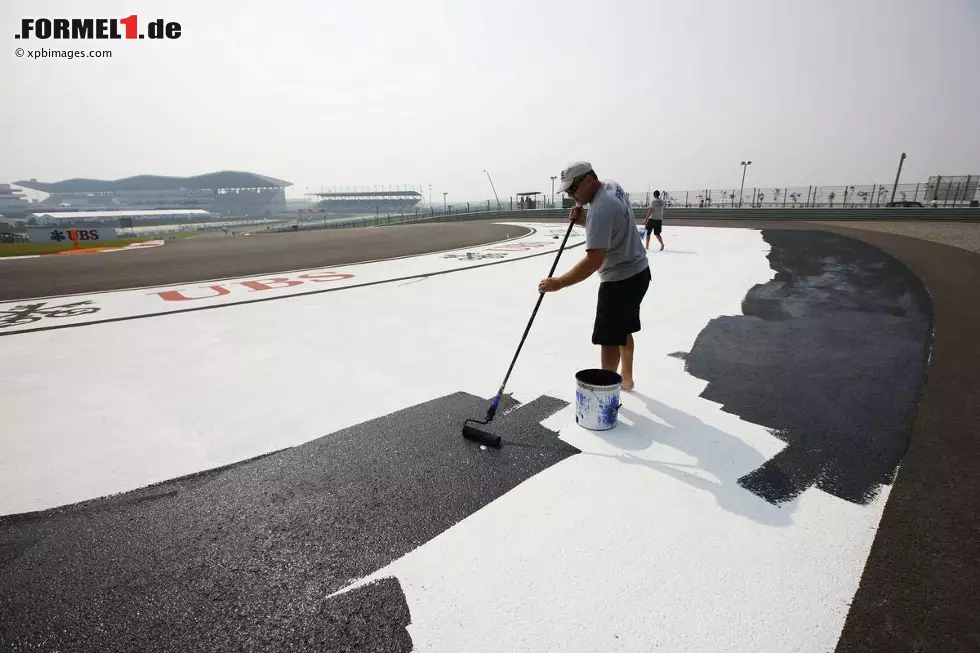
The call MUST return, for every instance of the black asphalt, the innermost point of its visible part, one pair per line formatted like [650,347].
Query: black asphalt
[245,558]
[830,356]
[215,256]
[919,590]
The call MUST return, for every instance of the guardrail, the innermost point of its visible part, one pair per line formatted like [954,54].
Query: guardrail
[673,213]
[885,214]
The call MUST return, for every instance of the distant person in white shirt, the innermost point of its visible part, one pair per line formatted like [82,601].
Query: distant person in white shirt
[655,219]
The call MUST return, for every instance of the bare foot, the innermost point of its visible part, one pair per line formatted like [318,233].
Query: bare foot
[627,384]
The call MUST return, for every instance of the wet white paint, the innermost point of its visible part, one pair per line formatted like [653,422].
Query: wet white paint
[642,542]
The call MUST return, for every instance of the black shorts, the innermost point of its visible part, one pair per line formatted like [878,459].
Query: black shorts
[618,309]
[656,226]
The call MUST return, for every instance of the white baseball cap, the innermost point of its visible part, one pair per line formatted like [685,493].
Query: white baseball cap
[572,172]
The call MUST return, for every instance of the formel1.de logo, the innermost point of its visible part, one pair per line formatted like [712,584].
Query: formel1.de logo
[96,28]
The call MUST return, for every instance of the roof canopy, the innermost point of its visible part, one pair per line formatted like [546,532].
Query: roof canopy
[380,193]
[212,180]
[78,215]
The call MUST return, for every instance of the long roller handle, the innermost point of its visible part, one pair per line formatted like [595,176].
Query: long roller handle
[496,400]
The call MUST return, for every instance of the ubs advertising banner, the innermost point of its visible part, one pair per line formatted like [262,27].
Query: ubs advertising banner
[64,235]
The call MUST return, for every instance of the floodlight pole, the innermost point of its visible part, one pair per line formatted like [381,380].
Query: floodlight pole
[744,165]
[494,191]
[897,175]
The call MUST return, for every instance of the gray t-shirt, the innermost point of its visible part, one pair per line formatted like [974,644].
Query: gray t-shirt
[611,225]
[657,204]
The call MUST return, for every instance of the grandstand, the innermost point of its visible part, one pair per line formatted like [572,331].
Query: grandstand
[13,204]
[370,202]
[228,194]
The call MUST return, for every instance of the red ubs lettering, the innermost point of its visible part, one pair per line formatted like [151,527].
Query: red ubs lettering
[320,277]
[178,296]
[255,286]
[269,284]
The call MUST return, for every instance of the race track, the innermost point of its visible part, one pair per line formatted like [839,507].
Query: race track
[216,256]
[270,458]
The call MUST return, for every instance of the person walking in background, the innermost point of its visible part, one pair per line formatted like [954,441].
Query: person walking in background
[655,219]
[613,249]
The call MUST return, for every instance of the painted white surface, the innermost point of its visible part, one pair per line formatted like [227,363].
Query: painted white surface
[643,542]
[179,297]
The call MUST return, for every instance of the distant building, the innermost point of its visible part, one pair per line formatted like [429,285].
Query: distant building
[13,204]
[354,203]
[228,193]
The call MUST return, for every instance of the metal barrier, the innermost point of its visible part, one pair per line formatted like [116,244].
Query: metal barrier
[943,191]
[821,214]
[811,214]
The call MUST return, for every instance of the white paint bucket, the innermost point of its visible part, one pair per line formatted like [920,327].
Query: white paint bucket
[597,399]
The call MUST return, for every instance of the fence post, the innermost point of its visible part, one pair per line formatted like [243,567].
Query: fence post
[949,187]
[916,196]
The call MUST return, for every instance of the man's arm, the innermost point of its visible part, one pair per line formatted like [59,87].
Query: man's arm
[584,269]
[598,237]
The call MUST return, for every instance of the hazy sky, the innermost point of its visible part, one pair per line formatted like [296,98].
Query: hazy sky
[360,92]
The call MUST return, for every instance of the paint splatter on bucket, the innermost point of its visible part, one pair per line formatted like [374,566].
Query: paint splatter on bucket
[597,399]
